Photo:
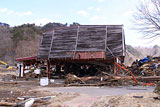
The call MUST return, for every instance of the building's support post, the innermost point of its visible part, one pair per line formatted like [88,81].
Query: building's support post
[19,70]
[48,69]
[118,68]
[24,65]
[118,71]
[114,67]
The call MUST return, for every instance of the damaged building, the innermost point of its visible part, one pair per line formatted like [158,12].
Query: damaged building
[82,50]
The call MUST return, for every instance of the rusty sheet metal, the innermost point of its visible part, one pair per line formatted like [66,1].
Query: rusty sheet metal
[90,55]
[27,58]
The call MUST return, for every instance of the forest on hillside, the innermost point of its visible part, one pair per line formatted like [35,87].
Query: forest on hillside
[23,40]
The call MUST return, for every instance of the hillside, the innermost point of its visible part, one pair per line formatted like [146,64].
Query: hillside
[19,41]
[151,51]
[6,47]
[133,53]
[26,40]
[23,40]
[156,51]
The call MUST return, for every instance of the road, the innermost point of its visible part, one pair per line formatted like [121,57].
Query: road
[88,95]
[104,91]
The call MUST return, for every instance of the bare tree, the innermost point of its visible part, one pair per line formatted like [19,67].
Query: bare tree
[28,48]
[147,18]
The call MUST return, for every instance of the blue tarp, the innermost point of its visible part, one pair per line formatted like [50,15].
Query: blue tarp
[155,66]
[144,59]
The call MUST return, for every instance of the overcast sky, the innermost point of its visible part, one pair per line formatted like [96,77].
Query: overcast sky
[40,12]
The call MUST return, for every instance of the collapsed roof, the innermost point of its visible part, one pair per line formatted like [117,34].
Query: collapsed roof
[65,42]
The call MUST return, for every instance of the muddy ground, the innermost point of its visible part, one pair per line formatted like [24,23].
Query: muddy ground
[11,92]
[13,89]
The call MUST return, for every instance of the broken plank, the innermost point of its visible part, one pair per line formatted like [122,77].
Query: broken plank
[6,104]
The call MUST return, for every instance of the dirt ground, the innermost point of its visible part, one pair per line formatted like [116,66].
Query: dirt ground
[143,99]
[11,92]
[13,89]
[129,100]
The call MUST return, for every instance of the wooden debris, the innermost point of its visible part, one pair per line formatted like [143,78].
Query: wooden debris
[70,78]
[107,79]
[137,96]
[148,78]
[85,79]
[148,68]
[36,100]
[6,104]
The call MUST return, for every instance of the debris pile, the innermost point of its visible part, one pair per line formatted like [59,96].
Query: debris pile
[146,70]
[106,79]
[30,75]
[70,78]
[98,74]
[147,66]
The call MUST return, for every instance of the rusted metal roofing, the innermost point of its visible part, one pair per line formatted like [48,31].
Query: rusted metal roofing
[26,58]
[90,55]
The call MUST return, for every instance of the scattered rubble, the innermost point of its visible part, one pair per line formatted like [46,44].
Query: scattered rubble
[106,79]
[14,91]
[146,67]
[144,72]
[30,75]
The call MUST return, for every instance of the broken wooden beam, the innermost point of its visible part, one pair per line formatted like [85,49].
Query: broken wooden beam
[7,104]
[148,78]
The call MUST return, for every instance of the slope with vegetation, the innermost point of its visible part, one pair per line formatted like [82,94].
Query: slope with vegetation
[23,40]
[19,41]
[26,39]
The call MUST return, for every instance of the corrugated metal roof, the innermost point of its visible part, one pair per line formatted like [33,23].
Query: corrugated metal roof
[84,38]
